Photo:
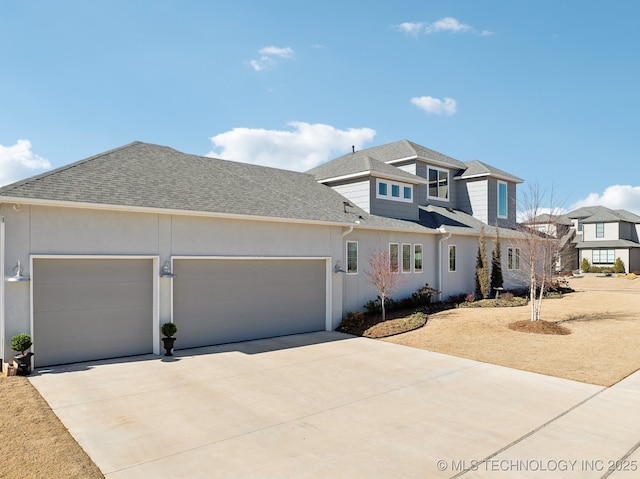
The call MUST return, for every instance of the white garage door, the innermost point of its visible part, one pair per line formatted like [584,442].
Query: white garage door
[219,301]
[85,309]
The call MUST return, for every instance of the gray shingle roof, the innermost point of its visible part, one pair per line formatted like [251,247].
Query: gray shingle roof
[477,168]
[143,175]
[607,244]
[602,214]
[459,222]
[361,164]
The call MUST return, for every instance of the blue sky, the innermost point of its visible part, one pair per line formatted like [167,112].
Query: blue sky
[547,90]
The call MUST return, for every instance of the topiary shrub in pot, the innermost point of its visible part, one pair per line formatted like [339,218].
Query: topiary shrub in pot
[168,330]
[20,343]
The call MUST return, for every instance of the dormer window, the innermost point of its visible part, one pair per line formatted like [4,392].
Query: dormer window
[395,191]
[438,184]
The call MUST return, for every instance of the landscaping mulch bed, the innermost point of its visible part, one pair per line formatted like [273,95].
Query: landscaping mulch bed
[538,327]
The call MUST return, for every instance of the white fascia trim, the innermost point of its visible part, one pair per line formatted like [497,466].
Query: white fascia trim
[156,287]
[508,179]
[401,179]
[479,175]
[398,160]
[178,257]
[156,211]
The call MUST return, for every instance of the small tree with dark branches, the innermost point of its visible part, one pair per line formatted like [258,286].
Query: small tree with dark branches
[383,276]
[482,268]
[496,264]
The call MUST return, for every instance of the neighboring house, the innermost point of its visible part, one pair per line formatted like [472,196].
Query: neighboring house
[598,234]
[96,255]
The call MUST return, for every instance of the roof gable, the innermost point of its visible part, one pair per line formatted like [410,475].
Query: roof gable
[359,164]
[475,168]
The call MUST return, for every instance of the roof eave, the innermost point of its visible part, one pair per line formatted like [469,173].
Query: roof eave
[168,211]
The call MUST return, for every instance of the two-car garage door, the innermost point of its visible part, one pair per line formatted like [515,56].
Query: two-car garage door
[225,300]
[86,309]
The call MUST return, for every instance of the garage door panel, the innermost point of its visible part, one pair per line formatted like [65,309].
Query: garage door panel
[86,309]
[218,301]
[94,295]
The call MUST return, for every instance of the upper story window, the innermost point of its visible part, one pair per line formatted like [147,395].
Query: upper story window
[392,190]
[599,230]
[352,257]
[502,199]
[438,184]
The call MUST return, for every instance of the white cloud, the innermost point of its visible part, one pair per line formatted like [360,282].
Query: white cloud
[18,162]
[267,55]
[285,52]
[304,147]
[412,28]
[616,197]
[447,107]
[446,24]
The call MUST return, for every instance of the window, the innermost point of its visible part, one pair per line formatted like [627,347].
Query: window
[579,226]
[599,230]
[399,191]
[352,257]
[452,257]
[502,199]
[603,256]
[417,258]
[513,258]
[393,257]
[438,184]
[406,258]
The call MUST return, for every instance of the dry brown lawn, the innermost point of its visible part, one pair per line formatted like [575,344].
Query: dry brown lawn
[602,315]
[35,444]
[601,349]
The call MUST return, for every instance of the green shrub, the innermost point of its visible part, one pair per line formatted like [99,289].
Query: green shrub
[169,329]
[618,266]
[21,342]
[585,266]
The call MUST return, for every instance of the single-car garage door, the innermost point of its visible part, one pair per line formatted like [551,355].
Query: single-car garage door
[85,309]
[219,301]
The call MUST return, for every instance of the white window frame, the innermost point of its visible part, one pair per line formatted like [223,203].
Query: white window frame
[417,269]
[506,199]
[397,265]
[402,259]
[609,253]
[600,226]
[513,258]
[453,248]
[349,270]
[439,170]
[390,185]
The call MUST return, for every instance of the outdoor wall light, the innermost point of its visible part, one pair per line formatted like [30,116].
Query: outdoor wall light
[166,270]
[18,274]
[337,268]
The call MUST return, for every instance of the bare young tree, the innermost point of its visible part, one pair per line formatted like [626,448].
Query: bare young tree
[536,249]
[383,275]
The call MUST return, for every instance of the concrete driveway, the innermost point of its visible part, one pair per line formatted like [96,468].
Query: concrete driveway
[331,405]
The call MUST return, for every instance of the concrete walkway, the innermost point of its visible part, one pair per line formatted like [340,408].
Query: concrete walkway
[331,405]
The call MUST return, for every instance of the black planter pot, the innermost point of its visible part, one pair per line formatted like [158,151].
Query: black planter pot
[168,345]
[24,363]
